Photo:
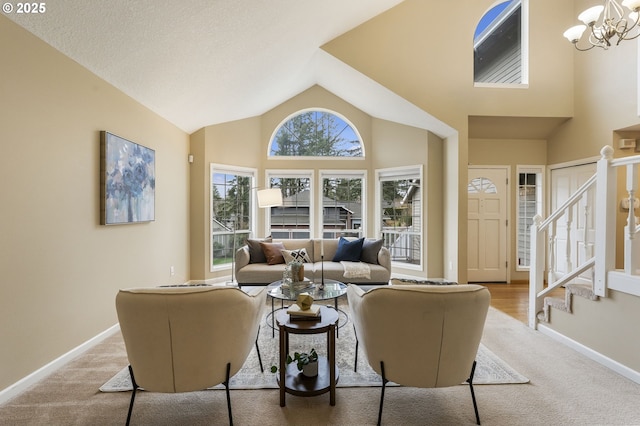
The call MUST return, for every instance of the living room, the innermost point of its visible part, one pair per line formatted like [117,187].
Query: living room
[62,269]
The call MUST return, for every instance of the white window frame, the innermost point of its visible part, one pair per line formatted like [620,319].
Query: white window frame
[238,171]
[524,50]
[540,172]
[290,173]
[397,173]
[347,174]
[302,111]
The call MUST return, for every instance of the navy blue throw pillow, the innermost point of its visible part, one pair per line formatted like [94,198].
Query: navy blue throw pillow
[349,250]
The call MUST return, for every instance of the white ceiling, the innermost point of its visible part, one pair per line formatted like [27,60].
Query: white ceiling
[203,62]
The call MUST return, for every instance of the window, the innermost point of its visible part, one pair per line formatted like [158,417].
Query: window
[294,218]
[529,205]
[232,210]
[499,45]
[400,211]
[481,185]
[316,133]
[342,204]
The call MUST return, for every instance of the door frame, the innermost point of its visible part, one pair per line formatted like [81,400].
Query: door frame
[507,168]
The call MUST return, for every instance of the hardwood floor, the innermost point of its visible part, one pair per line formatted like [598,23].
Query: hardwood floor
[513,299]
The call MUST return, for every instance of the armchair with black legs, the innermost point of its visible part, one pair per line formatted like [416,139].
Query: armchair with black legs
[424,336]
[184,339]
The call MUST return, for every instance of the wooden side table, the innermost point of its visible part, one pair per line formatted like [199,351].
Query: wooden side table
[290,379]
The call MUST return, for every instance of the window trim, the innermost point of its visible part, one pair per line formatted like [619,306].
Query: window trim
[349,174]
[314,109]
[251,173]
[396,173]
[540,172]
[524,50]
[293,173]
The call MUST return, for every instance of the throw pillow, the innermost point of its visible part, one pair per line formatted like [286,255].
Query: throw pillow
[299,255]
[273,252]
[256,255]
[370,249]
[348,250]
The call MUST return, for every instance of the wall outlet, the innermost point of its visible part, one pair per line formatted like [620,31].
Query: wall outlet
[172,271]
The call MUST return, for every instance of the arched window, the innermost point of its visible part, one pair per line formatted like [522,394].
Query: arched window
[481,185]
[316,133]
[499,45]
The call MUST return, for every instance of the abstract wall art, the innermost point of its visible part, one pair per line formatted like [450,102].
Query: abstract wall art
[127,181]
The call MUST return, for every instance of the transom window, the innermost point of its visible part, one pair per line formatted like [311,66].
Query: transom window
[316,133]
[500,45]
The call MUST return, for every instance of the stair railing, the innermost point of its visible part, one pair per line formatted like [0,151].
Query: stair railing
[603,260]
[541,257]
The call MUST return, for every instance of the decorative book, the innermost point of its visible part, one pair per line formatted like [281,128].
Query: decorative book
[295,311]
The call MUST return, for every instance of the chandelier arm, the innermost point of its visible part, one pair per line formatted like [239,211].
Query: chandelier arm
[598,41]
[585,49]
[628,38]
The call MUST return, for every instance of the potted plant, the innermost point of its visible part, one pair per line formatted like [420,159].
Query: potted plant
[306,362]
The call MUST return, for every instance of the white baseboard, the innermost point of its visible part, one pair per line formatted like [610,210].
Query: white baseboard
[24,383]
[621,369]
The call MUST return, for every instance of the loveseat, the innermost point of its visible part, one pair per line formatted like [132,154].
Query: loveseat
[264,261]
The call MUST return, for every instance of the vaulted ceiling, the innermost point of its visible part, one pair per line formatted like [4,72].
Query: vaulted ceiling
[203,62]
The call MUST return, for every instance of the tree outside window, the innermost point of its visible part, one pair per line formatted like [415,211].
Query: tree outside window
[401,215]
[316,133]
[231,217]
[293,218]
[342,207]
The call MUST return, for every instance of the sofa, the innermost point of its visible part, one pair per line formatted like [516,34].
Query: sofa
[361,261]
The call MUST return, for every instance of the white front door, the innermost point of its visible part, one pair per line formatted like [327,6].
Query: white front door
[574,233]
[487,225]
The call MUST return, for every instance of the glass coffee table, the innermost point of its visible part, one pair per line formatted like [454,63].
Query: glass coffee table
[332,289]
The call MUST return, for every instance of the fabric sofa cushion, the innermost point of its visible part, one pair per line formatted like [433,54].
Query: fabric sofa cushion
[370,249]
[256,255]
[273,252]
[348,250]
[299,255]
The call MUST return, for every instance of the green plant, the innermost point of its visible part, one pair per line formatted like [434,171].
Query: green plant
[300,358]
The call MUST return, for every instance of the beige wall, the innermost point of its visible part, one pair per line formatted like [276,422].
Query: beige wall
[245,143]
[60,268]
[422,57]
[512,153]
[414,36]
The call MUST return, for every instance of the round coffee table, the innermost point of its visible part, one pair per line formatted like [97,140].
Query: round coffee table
[332,289]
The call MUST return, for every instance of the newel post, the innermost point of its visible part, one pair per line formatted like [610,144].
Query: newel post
[605,219]
[536,270]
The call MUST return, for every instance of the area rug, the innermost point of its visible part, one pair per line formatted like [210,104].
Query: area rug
[490,368]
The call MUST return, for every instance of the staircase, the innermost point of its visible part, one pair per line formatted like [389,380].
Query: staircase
[597,273]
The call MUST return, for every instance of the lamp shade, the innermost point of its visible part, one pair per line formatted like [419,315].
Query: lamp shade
[633,5]
[591,15]
[271,197]
[573,34]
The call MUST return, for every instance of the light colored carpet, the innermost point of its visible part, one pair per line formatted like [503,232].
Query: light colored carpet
[490,368]
[565,388]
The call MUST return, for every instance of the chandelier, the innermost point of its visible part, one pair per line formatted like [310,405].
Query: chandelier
[617,23]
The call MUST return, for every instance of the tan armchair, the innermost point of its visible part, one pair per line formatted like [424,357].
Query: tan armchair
[424,336]
[182,339]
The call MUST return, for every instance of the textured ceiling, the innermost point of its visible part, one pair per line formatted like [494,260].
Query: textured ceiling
[202,62]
